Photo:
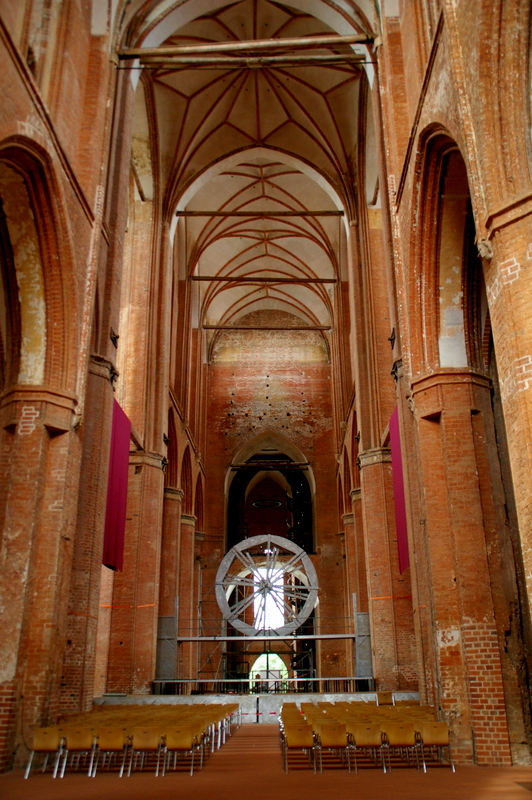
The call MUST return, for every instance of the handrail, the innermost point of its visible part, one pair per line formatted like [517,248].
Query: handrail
[251,685]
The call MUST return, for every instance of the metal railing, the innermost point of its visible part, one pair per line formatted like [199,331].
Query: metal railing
[187,686]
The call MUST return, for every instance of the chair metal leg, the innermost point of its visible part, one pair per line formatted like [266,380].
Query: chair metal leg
[423,758]
[28,768]
[121,773]
[65,759]
[130,763]
[93,751]
[96,762]
[57,762]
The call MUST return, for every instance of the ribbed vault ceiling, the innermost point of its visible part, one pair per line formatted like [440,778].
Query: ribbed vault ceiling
[277,248]
[265,127]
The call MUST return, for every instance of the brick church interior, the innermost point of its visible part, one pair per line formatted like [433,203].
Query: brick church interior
[266,357]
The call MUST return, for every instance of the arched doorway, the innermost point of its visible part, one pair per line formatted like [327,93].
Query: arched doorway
[268,673]
[270,494]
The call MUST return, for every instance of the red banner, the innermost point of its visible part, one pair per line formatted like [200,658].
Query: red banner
[399,492]
[115,514]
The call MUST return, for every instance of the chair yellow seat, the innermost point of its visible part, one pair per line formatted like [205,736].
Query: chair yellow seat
[46,741]
[181,740]
[434,738]
[298,736]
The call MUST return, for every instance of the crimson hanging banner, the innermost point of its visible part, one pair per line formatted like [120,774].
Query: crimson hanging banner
[115,514]
[399,492]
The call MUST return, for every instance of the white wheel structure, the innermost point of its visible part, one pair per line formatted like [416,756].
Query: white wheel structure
[261,573]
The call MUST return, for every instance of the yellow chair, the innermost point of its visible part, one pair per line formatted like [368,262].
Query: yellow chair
[46,741]
[181,740]
[385,699]
[434,738]
[78,741]
[111,741]
[333,736]
[298,736]
[366,738]
[400,738]
[145,741]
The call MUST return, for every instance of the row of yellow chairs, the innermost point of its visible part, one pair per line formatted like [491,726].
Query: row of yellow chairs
[134,734]
[363,729]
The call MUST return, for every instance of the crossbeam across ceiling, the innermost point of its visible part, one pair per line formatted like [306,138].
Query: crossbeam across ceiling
[250,62]
[248,45]
[251,279]
[306,213]
[267,327]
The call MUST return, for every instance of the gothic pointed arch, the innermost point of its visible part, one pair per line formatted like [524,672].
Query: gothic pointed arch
[186,483]
[198,504]
[270,492]
[9,310]
[172,453]
[346,483]
[33,224]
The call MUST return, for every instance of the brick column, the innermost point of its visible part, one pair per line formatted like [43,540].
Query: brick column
[133,640]
[355,552]
[419,576]
[389,594]
[169,587]
[77,684]
[350,587]
[469,678]
[360,583]
[187,611]
[510,303]
[39,472]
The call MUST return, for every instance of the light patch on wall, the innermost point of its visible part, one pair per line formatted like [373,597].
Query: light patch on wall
[375,218]
[140,146]
[100,16]
[263,346]
[448,638]
[27,257]
[452,346]
[453,213]
[452,350]
[391,8]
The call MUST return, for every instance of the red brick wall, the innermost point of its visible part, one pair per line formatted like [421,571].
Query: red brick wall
[279,382]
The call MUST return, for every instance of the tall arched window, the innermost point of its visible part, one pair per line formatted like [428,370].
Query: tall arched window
[186,483]
[170,478]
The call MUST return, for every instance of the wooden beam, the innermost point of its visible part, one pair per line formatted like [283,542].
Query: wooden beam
[249,279]
[250,44]
[249,62]
[266,327]
[327,213]
[271,465]
[267,638]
